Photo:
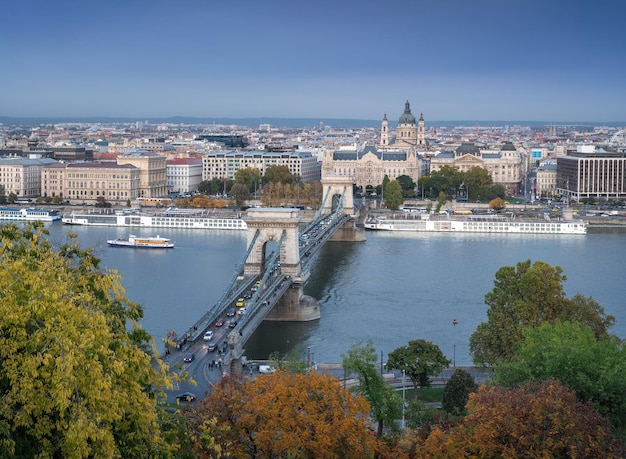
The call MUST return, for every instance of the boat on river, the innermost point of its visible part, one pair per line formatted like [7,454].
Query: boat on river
[29,214]
[474,224]
[171,217]
[154,242]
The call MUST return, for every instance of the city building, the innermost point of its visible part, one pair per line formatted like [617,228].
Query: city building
[183,175]
[591,174]
[545,185]
[22,176]
[152,172]
[507,165]
[85,183]
[369,166]
[224,164]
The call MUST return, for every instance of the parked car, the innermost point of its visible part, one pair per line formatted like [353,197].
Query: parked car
[219,322]
[208,336]
[186,397]
[266,369]
[189,357]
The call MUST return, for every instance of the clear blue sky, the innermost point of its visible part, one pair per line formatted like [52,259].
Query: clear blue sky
[549,60]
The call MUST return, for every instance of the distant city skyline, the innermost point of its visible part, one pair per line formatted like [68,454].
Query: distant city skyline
[560,61]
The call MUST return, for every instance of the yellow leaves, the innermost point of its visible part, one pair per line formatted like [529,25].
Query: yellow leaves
[73,379]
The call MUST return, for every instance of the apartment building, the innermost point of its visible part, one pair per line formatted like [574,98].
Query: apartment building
[506,166]
[224,164]
[183,174]
[545,186]
[22,176]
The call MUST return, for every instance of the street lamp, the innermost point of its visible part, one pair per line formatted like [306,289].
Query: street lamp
[403,396]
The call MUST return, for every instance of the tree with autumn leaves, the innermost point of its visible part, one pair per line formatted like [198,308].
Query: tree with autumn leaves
[78,377]
[539,419]
[281,415]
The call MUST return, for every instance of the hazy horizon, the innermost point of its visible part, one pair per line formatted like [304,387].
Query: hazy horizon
[558,61]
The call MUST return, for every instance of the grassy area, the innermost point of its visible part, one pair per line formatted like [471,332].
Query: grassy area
[426,395]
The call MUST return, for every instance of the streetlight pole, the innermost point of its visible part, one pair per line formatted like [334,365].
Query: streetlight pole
[403,397]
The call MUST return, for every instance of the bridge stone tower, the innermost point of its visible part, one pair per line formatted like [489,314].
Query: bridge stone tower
[337,184]
[271,222]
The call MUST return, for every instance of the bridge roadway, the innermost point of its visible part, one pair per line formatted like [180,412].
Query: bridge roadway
[271,284]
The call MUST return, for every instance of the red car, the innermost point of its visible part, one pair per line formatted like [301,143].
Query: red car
[219,322]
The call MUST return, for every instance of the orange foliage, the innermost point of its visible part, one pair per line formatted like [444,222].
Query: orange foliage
[536,420]
[284,415]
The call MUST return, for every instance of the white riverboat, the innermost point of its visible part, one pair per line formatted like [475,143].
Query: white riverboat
[29,214]
[153,242]
[167,218]
[476,224]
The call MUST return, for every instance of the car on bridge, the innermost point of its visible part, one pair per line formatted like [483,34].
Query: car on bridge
[212,347]
[208,336]
[185,397]
[219,322]
[240,302]
[189,357]
[232,324]
[231,311]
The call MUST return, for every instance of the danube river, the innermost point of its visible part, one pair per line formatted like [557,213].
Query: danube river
[392,288]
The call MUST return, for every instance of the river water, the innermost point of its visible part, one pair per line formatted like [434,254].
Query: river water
[392,288]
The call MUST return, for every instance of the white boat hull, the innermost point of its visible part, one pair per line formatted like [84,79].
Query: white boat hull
[166,219]
[478,226]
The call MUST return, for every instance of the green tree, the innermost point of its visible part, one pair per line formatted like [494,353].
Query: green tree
[278,174]
[240,193]
[419,360]
[456,393]
[78,378]
[408,186]
[570,352]
[528,295]
[249,176]
[477,181]
[3,195]
[12,198]
[385,403]
[393,195]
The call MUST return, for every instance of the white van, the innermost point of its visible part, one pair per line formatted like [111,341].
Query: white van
[266,369]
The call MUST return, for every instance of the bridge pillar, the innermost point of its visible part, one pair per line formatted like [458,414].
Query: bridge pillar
[338,185]
[271,222]
[294,306]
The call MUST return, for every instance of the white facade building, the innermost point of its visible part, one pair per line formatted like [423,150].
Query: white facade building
[183,175]
[224,164]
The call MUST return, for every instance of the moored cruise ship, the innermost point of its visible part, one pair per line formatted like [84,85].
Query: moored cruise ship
[169,218]
[477,224]
[30,214]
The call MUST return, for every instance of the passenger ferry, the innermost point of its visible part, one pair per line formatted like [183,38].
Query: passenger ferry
[156,242]
[169,218]
[476,224]
[30,214]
